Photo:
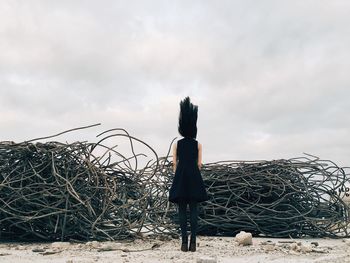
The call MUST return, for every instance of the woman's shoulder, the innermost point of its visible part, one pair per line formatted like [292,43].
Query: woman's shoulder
[179,140]
[176,143]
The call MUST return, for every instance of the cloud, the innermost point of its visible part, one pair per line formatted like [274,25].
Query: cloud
[270,78]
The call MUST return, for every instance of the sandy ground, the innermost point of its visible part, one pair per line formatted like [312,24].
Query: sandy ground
[148,250]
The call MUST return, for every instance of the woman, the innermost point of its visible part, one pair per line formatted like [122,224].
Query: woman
[187,186]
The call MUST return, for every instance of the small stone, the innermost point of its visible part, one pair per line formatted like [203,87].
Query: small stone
[206,259]
[244,238]
[315,243]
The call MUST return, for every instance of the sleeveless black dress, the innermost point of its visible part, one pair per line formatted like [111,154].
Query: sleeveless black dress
[187,184]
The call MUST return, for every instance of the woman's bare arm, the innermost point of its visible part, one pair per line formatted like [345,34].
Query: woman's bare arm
[199,155]
[174,157]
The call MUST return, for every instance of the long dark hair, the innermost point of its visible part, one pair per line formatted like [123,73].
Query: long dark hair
[188,118]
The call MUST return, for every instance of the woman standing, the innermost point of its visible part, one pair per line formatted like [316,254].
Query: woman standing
[187,186]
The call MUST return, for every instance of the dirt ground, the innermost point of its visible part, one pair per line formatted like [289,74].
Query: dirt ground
[148,250]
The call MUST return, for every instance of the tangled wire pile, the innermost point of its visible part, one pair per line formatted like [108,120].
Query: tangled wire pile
[85,191]
[54,190]
[279,198]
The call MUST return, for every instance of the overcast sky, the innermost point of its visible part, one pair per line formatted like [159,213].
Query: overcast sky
[270,78]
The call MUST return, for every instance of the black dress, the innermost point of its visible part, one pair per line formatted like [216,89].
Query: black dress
[187,184]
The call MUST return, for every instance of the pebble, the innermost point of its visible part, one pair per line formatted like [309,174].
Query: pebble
[244,238]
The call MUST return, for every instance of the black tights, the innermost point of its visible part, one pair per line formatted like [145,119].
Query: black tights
[183,217]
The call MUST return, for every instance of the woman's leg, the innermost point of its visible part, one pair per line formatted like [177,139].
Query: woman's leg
[183,219]
[193,218]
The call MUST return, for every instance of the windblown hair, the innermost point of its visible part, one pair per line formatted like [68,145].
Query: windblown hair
[188,118]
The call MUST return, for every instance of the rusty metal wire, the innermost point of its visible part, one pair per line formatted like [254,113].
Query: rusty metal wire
[280,198]
[54,190]
[83,190]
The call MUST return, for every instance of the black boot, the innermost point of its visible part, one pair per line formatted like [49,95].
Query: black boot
[184,245]
[192,247]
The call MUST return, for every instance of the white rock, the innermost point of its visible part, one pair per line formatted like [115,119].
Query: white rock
[206,259]
[244,238]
